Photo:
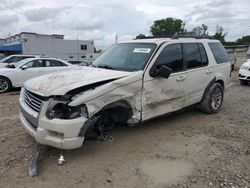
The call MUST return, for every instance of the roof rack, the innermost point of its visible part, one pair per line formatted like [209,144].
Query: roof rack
[192,36]
[154,37]
[175,37]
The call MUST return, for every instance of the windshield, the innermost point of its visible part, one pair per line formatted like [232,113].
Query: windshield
[22,62]
[126,56]
[14,59]
[4,59]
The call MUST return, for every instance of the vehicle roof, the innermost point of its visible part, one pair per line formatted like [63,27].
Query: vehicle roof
[21,55]
[161,40]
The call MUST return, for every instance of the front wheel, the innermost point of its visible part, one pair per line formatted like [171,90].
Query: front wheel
[5,85]
[212,100]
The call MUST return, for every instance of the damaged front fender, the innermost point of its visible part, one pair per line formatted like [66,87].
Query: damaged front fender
[127,89]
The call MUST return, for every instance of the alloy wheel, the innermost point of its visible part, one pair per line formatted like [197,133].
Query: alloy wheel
[216,98]
[4,85]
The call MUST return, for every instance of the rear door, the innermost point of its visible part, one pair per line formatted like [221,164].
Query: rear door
[198,72]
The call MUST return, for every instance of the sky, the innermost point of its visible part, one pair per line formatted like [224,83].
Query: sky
[102,20]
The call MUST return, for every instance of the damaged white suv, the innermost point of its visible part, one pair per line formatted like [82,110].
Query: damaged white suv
[131,82]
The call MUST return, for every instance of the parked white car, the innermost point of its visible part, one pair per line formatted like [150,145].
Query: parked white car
[244,73]
[131,82]
[12,59]
[16,74]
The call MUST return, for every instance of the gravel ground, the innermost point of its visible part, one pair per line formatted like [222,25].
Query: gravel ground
[183,149]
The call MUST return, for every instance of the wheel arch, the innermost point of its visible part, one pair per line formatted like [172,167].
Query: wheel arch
[124,109]
[214,80]
[121,110]
[220,81]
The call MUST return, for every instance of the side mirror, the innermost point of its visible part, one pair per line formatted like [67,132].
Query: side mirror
[162,71]
[24,67]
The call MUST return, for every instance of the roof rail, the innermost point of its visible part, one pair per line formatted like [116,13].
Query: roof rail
[154,37]
[176,36]
[192,36]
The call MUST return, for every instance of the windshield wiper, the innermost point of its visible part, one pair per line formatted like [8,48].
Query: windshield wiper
[105,66]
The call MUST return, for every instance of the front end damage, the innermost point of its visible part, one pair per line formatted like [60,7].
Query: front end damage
[66,121]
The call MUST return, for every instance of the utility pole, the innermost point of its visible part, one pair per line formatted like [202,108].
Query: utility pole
[77,39]
[116,38]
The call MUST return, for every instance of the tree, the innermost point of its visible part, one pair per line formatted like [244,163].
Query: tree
[167,26]
[140,36]
[245,40]
[200,30]
[220,34]
[97,51]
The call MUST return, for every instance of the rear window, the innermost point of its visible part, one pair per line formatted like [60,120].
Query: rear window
[219,52]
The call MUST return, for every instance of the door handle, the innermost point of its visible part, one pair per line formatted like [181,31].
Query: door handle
[209,71]
[181,78]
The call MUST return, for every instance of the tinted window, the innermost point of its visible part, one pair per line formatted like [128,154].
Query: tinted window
[171,56]
[74,62]
[83,47]
[36,64]
[204,59]
[54,63]
[219,52]
[192,57]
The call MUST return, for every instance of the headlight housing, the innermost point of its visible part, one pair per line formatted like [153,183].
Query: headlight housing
[244,67]
[61,110]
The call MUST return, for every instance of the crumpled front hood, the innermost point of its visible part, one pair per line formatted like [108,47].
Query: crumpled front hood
[60,83]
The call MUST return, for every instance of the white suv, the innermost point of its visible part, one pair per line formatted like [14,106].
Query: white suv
[131,82]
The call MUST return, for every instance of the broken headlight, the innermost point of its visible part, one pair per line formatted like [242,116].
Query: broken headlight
[61,110]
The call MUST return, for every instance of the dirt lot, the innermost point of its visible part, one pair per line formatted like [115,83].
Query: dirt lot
[184,149]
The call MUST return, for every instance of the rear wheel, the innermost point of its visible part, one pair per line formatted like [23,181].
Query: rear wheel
[243,82]
[5,84]
[212,100]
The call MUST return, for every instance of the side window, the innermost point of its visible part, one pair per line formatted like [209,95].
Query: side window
[192,56]
[219,52]
[204,59]
[171,56]
[83,47]
[54,63]
[36,64]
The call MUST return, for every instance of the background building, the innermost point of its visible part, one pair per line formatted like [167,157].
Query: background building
[50,45]
[239,54]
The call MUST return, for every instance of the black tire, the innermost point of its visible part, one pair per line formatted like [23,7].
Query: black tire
[212,99]
[243,82]
[5,84]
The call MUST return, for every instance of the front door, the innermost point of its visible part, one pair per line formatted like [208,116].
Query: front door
[32,69]
[160,95]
